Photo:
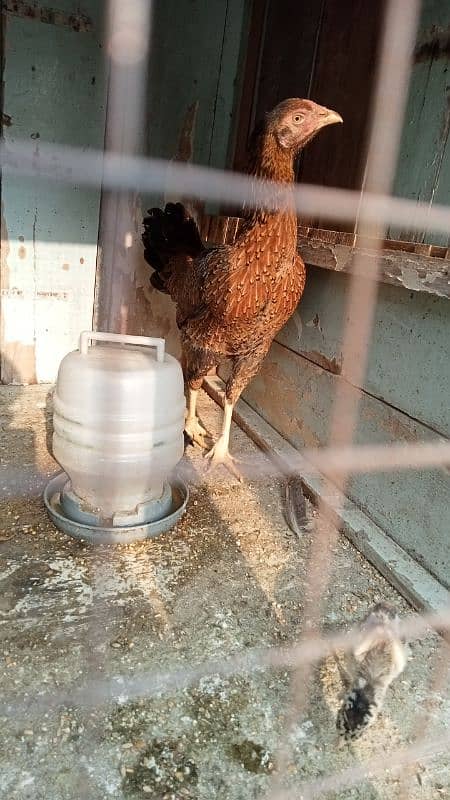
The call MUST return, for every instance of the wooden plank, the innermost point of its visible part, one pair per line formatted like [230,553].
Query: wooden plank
[225,107]
[281,49]
[423,169]
[414,271]
[244,119]
[419,269]
[296,396]
[55,91]
[195,57]
[233,227]
[343,79]
[408,346]
[354,240]
[415,583]
[288,52]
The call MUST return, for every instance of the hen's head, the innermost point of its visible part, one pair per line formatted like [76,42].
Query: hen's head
[295,122]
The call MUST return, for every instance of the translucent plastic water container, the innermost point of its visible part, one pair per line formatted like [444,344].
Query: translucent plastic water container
[118,428]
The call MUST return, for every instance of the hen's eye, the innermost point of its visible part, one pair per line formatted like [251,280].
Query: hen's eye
[298,118]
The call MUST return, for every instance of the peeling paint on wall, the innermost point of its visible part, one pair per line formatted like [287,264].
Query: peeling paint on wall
[433,44]
[77,21]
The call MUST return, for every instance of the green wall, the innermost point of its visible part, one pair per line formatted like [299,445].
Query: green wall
[423,172]
[54,92]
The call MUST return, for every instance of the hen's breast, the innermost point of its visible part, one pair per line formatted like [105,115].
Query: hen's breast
[250,289]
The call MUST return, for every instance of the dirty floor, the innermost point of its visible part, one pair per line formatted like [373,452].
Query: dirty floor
[230,577]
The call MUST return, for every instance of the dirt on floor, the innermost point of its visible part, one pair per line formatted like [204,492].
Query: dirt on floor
[229,578]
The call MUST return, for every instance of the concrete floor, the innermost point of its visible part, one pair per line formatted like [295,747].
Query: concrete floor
[229,578]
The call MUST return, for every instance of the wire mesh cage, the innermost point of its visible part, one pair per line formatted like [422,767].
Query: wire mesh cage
[363,219]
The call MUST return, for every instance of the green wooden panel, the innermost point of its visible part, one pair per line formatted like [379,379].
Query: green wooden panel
[296,397]
[54,92]
[194,56]
[423,170]
[408,357]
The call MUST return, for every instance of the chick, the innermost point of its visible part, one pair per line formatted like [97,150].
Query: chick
[379,658]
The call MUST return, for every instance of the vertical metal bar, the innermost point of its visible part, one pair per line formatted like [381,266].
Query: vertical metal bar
[399,33]
[128,38]
[127,46]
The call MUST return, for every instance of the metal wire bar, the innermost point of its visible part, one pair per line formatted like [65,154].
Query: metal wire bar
[375,209]
[326,461]
[95,168]
[154,682]
[398,37]
[126,54]
[127,50]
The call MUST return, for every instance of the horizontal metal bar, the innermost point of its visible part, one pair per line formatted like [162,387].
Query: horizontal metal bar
[113,171]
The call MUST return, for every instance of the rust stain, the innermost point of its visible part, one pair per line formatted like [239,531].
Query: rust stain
[330,364]
[66,266]
[81,261]
[389,421]
[22,252]
[78,22]
[434,45]
[314,323]
[308,251]
[18,363]
[185,149]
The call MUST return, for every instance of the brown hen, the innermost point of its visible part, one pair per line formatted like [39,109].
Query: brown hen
[233,299]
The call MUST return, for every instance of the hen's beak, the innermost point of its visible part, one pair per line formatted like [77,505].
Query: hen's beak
[331,117]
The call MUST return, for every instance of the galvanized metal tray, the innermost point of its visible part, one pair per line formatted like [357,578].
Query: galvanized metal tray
[122,535]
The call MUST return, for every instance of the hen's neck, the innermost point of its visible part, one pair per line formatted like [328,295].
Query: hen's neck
[269,237]
[269,162]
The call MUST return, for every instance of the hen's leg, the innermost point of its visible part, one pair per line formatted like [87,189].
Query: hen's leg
[192,426]
[219,454]
[244,368]
[196,364]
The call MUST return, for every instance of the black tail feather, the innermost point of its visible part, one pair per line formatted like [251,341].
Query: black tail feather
[167,234]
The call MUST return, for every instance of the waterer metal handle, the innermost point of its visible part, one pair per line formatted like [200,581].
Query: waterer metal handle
[121,338]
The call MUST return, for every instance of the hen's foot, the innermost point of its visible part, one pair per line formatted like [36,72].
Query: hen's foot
[220,455]
[197,434]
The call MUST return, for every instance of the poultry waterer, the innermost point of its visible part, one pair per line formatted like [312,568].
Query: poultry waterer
[118,435]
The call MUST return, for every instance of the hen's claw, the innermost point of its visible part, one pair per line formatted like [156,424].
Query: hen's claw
[220,455]
[197,434]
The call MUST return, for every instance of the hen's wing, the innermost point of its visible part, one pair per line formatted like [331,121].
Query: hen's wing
[238,280]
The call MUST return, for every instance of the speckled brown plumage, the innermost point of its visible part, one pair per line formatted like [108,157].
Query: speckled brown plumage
[232,300]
